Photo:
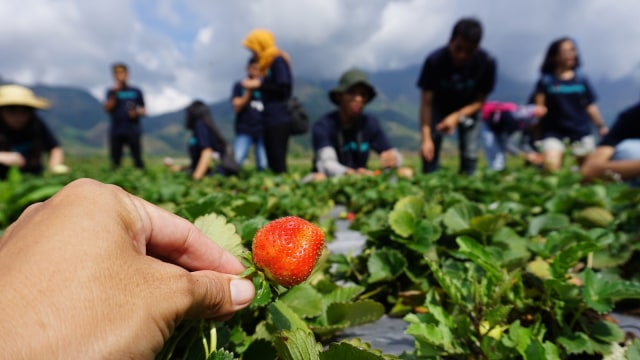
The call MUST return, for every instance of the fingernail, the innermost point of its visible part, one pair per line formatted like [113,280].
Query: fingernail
[242,292]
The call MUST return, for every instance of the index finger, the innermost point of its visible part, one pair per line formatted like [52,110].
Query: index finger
[178,241]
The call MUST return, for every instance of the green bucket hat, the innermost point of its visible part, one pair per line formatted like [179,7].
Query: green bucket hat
[349,79]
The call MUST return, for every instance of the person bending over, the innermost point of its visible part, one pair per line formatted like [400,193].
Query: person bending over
[343,138]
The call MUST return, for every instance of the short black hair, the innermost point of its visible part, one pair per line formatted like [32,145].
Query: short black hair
[119,65]
[469,29]
[252,60]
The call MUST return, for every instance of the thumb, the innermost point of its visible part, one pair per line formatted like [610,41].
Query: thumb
[218,296]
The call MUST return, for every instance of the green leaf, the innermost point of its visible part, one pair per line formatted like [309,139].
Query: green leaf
[304,300]
[514,247]
[594,216]
[385,265]
[343,294]
[402,222]
[283,318]
[578,343]
[352,349]
[604,331]
[600,293]
[458,217]
[518,337]
[451,286]
[412,204]
[425,234]
[357,313]
[247,229]
[633,349]
[297,344]
[570,257]
[221,355]
[263,291]
[479,255]
[216,228]
[247,206]
[259,349]
[490,223]
[39,194]
[539,268]
[548,222]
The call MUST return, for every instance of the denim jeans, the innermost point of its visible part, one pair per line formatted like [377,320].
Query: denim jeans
[495,148]
[468,145]
[241,145]
[628,150]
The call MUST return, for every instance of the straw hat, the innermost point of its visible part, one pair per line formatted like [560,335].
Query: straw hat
[18,95]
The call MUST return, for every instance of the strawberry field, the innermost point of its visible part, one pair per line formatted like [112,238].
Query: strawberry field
[494,266]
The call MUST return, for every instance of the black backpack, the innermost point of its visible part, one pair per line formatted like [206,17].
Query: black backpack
[299,117]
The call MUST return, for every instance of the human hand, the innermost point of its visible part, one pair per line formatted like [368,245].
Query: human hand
[10,158]
[448,125]
[389,158]
[364,171]
[427,149]
[133,113]
[251,84]
[539,111]
[95,272]
[603,130]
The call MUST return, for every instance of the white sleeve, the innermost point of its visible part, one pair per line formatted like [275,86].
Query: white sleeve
[327,162]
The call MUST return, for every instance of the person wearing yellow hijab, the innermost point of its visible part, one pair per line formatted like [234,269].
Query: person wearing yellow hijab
[275,86]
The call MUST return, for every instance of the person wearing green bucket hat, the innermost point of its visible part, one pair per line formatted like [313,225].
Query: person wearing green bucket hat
[24,136]
[343,138]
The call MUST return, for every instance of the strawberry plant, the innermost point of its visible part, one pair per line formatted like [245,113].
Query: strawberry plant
[498,265]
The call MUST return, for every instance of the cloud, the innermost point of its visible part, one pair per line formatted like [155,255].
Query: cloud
[185,49]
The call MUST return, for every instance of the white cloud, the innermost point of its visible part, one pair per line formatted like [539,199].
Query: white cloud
[165,99]
[181,50]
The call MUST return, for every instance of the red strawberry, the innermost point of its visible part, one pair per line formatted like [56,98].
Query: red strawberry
[287,249]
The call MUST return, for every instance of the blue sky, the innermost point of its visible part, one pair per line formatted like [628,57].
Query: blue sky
[179,50]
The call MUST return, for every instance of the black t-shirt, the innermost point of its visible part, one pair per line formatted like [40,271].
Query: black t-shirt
[351,145]
[249,119]
[454,88]
[202,138]
[566,102]
[30,142]
[276,89]
[627,126]
[126,99]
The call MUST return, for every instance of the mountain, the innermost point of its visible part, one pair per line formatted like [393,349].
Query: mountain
[79,121]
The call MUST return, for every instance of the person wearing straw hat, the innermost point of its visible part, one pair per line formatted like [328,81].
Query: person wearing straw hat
[24,137]
[342,139]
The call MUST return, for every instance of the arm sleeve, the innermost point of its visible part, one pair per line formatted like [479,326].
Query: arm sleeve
[282,79]
[426,78]
[49,140]
[624,127]
[140,99]
[488,77]
[327,162]
[589,93]
[236,91]
[379,140]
